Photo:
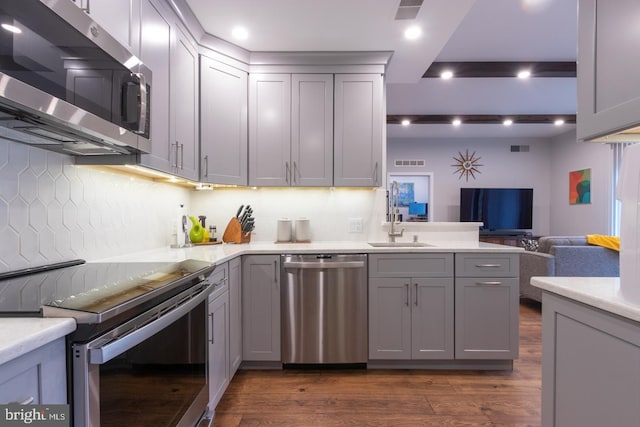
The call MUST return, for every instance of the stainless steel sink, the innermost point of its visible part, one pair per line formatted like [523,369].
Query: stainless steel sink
[399,244]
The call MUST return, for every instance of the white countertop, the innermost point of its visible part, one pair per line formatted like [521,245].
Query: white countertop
[21,335]
[599,292]
[226,251]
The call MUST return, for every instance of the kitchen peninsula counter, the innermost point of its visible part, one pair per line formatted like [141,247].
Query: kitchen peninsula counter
[590,352]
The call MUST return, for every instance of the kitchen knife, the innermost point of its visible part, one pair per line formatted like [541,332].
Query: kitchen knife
[239,210]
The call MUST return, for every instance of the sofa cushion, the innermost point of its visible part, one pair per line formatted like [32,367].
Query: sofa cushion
[545,243]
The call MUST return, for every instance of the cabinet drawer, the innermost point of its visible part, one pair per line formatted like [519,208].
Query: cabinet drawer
[410,265]
[487,265]
[219,278]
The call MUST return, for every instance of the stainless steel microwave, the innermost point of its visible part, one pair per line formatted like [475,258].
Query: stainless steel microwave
[67,85]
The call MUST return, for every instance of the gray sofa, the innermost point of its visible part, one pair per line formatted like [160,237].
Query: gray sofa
[565,256]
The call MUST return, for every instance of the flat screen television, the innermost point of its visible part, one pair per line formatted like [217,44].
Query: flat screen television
[502,210]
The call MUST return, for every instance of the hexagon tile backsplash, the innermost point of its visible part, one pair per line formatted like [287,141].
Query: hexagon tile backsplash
[52,210]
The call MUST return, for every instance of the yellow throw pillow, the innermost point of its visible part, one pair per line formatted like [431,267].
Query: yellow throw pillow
[611,242]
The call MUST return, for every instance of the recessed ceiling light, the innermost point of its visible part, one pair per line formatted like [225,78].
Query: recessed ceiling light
[446,74]
[12,28]
[412,32]
[456,122]
[524,74]
[558,122]
[406,122]
[507,122]
[240,33]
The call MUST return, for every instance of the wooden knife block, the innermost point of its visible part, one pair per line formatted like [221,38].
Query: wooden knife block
[233,233]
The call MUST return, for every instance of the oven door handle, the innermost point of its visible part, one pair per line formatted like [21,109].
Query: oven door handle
[100,355]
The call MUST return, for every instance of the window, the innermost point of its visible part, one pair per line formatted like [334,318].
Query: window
[617,151]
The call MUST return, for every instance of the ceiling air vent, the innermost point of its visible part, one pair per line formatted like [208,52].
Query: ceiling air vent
[519,148]
[409,163]
[408,9]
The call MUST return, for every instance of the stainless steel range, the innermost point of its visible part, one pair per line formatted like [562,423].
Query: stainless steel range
[138,356]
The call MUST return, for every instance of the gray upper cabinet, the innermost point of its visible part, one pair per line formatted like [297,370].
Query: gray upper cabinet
[358,130]
[223,124]
[261,308]
[311,130]
[172,56]
[155,51]
[269,129]
[119,17]
[608,85]
[184,103]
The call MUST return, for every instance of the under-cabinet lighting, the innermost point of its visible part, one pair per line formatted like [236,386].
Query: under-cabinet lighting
[524,74]
[507,122]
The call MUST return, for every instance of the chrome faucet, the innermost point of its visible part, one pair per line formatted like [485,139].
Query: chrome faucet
[394,212]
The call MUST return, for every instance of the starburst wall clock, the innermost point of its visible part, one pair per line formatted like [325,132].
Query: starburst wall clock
[467,165]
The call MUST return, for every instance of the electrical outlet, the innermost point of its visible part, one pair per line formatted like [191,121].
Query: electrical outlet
[355,225]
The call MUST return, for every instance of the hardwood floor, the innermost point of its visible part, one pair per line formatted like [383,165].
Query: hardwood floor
[393,397]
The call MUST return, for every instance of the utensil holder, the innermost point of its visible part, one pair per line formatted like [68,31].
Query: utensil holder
[233,233]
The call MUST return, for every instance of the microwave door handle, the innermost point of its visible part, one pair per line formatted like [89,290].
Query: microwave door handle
[142,124]
[100,355]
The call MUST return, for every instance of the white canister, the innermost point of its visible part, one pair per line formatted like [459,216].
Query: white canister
[303,230]
[283,233]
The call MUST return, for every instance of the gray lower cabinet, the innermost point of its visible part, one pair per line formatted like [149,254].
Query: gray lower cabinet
[411,315]
[218,327]
[590,366]
[235,315]
[261,308]
[486,306]
[38,377]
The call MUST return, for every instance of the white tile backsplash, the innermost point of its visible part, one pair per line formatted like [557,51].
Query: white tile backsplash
[52,210]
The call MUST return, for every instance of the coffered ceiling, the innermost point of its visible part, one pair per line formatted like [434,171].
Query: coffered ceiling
[452,31]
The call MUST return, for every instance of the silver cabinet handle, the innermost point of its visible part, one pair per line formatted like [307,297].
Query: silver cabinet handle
[295,169]
[212,339]
[489,283]
[375,173]
[488,265]
[286,172]
[275,273]
[416,293]
[174,147]
[406,288]
[206,165]
[181,155]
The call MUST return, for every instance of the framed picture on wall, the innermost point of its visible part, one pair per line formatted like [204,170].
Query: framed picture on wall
[580,187]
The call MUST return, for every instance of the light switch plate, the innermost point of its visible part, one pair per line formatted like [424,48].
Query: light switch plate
[355,225]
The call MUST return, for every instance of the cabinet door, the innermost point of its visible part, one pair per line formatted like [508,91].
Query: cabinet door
[390,318]
[184,104]
[223,124]
[218,347]
[117,17]
[358,130]
[261,308]
[269,129]
[486,318]
[608,85]
[155,52]
[312,130]
[235,315]
[432,318]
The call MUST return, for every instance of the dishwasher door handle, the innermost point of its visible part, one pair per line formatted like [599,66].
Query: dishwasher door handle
[323,265]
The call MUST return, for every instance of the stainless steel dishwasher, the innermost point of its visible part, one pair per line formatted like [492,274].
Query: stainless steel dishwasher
[324,309]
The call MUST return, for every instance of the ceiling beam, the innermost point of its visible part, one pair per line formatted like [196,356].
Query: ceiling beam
[432,119]
[501,69]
